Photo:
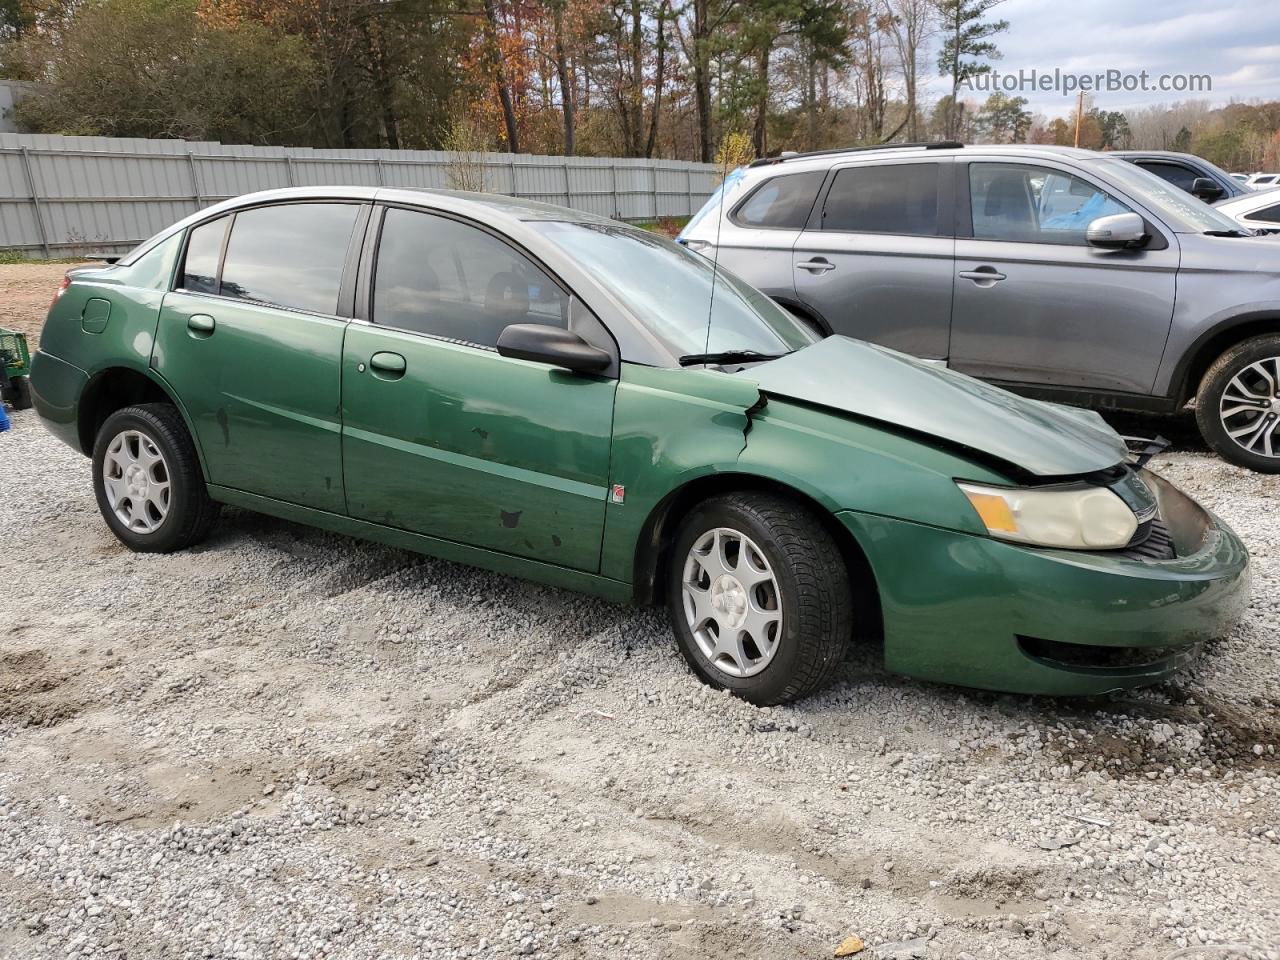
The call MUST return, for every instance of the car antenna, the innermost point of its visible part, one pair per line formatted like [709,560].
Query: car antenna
[715,257]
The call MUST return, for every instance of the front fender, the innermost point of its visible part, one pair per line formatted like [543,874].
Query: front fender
[847,464]
[670,428]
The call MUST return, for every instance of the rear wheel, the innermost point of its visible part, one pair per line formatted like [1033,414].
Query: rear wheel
[759,598]
[147,479]
[1238,404]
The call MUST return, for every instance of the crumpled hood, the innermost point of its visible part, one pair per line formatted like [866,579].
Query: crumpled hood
[868,381]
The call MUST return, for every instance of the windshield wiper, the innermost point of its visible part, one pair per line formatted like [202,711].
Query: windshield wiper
[728,356]
[1226,233]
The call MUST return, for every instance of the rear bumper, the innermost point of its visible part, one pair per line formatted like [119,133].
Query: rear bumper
[980,612]
[56,387]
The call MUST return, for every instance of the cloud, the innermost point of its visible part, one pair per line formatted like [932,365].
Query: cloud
[1178,37]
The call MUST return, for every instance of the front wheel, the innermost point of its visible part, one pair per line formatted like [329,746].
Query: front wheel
[759,598]
[1238,404]
[148,482]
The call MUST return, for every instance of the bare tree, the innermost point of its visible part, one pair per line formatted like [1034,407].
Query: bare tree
[562,75]
[911,24]
[465,142]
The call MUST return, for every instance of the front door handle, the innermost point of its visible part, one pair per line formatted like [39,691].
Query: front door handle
[817,265]
[201,324]
[983,276]
[388,366]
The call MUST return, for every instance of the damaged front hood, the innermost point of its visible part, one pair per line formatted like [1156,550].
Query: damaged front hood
[868,381]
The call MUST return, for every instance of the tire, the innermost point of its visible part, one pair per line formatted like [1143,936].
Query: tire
[21,387]
[800,648]
[160,505]
[1246,371]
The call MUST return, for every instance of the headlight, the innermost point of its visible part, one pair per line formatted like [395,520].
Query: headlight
[1076,517]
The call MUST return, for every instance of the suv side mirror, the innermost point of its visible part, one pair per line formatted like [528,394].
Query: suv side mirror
[553,345]
[1116,232]
[1206,189]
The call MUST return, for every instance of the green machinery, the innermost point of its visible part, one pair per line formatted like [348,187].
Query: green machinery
[15,369]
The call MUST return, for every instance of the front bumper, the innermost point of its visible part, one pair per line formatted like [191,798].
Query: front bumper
[980,612]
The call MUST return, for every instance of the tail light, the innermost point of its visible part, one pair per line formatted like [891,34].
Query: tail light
[66,282]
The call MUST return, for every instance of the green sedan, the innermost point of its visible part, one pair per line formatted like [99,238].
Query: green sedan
[569,399]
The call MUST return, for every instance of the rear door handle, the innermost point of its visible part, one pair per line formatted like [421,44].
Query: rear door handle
[388,366]
[816,265]
[988,274]
[201,324]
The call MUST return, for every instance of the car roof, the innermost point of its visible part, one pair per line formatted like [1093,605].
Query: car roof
[482,205]
[824,159]
[1251,200]
[1168,154]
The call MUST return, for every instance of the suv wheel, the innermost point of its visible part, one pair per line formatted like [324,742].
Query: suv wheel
[1238,404]
[759,598]
[147,479]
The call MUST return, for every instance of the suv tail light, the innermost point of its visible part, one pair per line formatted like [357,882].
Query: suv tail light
[66,282]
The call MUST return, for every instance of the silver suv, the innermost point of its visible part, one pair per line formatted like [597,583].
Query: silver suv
[1059,273]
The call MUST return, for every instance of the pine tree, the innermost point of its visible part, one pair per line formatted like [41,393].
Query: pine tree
[967,43]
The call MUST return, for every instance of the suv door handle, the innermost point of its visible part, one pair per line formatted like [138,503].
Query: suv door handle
[201,324]
[983,275]
[388,366]
[816,265]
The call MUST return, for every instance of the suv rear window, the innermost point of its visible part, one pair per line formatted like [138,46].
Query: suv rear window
[899,198]
[780,203]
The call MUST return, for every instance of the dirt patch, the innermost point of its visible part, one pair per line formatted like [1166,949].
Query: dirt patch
[28,289]
[32,692]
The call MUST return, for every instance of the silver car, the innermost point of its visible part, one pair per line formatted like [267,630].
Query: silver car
[1259,210]
[1059,273]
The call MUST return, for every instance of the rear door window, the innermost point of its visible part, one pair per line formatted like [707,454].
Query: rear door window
[781,203]
[899,198]
[290,255]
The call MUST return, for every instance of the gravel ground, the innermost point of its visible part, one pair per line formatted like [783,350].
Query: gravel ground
[290,744]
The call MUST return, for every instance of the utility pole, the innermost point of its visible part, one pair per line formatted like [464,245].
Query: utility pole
[1079,111]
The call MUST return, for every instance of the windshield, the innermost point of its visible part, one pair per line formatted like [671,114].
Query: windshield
[670,289]
[1183,212]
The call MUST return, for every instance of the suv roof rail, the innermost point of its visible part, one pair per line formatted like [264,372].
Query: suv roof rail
[790,155]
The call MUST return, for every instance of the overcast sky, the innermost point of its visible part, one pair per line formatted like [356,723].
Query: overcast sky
[1236,42]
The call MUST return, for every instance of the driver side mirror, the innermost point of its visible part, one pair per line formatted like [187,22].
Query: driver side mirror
[554,345]
[1117,232]
[1206,189]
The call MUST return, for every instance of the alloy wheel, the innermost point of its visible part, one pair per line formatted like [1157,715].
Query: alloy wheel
[135,477]
[732,602]
[1250,407]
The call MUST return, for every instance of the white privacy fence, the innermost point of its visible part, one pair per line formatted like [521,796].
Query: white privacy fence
[63,196]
